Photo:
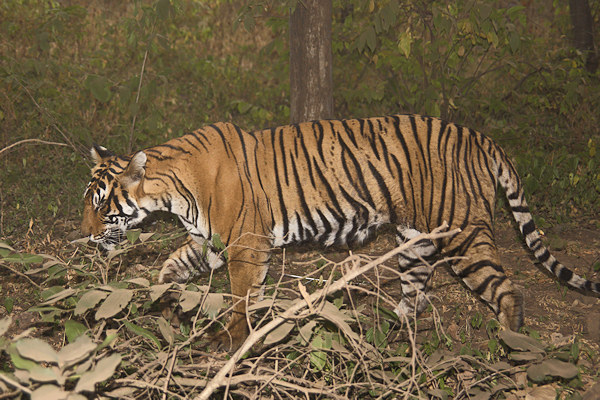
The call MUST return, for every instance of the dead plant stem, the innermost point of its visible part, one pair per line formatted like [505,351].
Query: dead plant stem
[220,379]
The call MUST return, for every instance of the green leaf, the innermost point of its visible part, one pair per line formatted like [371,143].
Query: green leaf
[133,235]
[99,87]
[24,258]
[164,9]
[514,40]
[404,43]
[8,304]
[219,245]
[485,9]
[20,362]
[371,38]
[74,329]
[138,330]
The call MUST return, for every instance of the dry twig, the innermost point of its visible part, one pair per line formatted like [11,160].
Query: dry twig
[220,379]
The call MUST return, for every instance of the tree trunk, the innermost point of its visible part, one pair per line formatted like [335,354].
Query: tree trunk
[583,32]
[311,84]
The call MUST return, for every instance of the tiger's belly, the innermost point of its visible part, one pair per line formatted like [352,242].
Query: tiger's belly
[327,228]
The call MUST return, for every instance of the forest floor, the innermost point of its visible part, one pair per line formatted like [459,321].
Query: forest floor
[557,314]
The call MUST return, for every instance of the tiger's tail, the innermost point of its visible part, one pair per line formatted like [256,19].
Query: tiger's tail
[511,183]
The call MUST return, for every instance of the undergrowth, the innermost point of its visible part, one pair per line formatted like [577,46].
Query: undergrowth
[126,337]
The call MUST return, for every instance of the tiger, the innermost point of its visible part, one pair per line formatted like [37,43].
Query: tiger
[329,182]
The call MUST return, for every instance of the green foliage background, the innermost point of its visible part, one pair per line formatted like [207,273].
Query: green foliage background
[134,74]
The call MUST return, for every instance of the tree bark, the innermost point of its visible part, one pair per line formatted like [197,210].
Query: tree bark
[311,83]
[583,32]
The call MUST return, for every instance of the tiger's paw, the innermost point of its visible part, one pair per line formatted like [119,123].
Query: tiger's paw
[172,272]
[406,308]
[232,336]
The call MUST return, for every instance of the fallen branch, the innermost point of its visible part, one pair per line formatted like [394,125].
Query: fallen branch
[32,140]
[220,379]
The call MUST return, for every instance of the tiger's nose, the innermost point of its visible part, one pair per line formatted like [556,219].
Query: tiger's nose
[86,229]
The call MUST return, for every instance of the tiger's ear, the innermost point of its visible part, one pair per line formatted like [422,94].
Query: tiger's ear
[99,153]
[135,171]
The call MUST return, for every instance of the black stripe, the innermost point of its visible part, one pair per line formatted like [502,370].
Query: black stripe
[520,209]
[528,227]
[400,136]
[544,256]
[225,144]
[386,193]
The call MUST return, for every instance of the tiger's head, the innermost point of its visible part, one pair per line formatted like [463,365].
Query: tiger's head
[112,197]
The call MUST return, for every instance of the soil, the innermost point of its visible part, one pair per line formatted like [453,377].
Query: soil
[557,313]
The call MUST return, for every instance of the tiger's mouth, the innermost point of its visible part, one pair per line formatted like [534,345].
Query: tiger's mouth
[109,239]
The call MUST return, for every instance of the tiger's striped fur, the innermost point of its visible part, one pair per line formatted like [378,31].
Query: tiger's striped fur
[332,182]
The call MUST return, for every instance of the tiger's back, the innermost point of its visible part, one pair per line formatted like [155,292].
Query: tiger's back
[334,182]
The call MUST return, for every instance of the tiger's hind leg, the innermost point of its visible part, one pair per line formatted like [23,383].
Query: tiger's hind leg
[189,260]
[481,271]
[416,273]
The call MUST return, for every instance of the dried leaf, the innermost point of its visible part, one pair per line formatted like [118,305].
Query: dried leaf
[4,245]
[265,303]
[546,392]
[36,350]
[525,356]
[114,303]
[331,313]
[5,324]
[213,304]
[75,396]
[188,300]
[552,367]
[438,394]
[41,374]
[104,370]
[120,393]
[306,331]
[279,333]
[145,236]
[89,300]
[143,282]
[518,341]
[63,294]
[77,351]
[166,330]
[49,392]
[157,291]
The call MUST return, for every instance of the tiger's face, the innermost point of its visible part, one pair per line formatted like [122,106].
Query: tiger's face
[111,199]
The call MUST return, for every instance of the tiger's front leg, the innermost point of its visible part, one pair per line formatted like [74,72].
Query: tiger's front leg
[189,260]
[248,267]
